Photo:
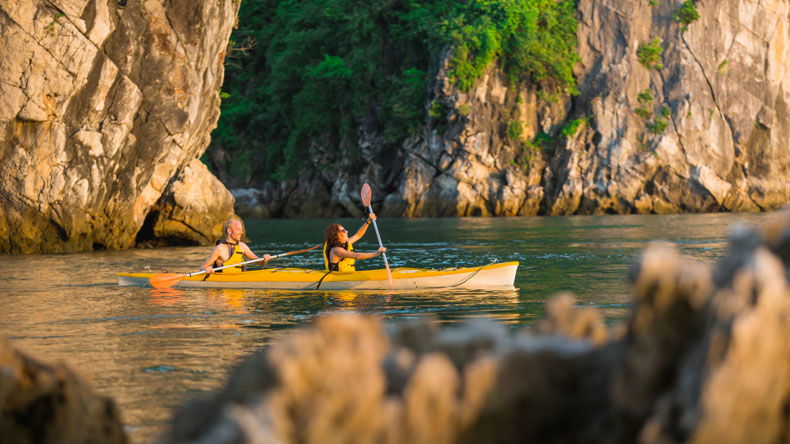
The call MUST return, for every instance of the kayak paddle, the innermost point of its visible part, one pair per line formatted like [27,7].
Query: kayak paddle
[365,195]
[166,280]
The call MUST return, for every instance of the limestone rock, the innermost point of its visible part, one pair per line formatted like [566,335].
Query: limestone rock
[192,210]
[43,403]
[103,104]
[714,135]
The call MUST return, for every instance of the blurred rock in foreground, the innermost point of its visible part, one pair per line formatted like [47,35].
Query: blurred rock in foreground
[42,403]
[704,358]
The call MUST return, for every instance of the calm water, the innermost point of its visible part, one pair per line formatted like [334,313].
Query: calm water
[150,349]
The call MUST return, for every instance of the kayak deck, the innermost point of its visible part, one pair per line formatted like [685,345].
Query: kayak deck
[499,275]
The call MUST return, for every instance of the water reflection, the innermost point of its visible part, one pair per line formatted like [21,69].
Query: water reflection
[149,349]
[230,299]
[167,296]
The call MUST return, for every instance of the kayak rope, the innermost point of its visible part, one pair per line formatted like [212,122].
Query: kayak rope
[479,269]
[278,269]
[318,285]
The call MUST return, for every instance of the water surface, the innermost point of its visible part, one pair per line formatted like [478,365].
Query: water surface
[151,349]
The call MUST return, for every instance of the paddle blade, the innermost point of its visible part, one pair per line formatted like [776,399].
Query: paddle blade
[389,274]
[365,195]
[165,280]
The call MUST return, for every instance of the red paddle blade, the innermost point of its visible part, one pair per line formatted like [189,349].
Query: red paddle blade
[365,195]
[165,280]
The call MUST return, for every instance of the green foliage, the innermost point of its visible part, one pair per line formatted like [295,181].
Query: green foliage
[686,14]
[515,130]
[658,126]
[660,123]
[643,113]
[541,140]
[305,75]
[437,110]
[723,68]
[50,28]
[464,110]
[645,97]
[224,96]
[533,40]
[571,128]
[649,54]
[654,3]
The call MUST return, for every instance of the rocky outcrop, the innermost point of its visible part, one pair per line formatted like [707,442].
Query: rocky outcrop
[105,106]
[704,357]
[721,98]
[707,131]
[43,403]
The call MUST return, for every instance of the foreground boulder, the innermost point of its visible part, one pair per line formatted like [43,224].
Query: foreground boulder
[104,105]
[43,403]
[704,357]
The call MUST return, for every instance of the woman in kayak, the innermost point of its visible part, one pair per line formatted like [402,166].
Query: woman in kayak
[339,254]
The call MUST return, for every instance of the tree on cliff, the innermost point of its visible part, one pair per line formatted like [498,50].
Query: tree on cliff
[317,71]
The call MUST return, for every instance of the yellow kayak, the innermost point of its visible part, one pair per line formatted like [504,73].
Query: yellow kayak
[492,276]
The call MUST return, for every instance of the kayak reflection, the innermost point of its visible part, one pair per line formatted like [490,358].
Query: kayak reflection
[166,296]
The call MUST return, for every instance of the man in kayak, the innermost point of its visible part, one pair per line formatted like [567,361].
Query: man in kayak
[231,250]
[339,254]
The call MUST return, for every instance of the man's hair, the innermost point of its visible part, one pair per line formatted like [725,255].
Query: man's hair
[227,224]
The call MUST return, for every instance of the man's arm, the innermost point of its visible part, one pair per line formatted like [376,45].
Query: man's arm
[212,258]
[250,255]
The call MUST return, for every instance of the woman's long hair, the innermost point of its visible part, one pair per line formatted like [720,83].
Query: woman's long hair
[332,238]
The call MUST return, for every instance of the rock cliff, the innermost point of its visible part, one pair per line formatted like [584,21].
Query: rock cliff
[704,358]
[106,106]
[703,125]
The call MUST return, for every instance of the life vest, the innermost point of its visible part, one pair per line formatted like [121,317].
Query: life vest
[344,264]
[236,256]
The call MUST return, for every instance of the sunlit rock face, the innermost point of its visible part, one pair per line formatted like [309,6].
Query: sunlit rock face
[714,134]
[723,93]
[44,403]
[103,104]
[704,357]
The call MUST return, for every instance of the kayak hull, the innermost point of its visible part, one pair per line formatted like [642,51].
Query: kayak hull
[492,276]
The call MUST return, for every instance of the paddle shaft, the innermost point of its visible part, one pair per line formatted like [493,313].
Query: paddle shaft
[167,280]
[251,261]
[384,255]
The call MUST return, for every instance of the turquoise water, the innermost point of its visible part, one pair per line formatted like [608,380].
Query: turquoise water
[151,349]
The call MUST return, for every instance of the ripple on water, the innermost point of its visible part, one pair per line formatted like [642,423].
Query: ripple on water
[149,349]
